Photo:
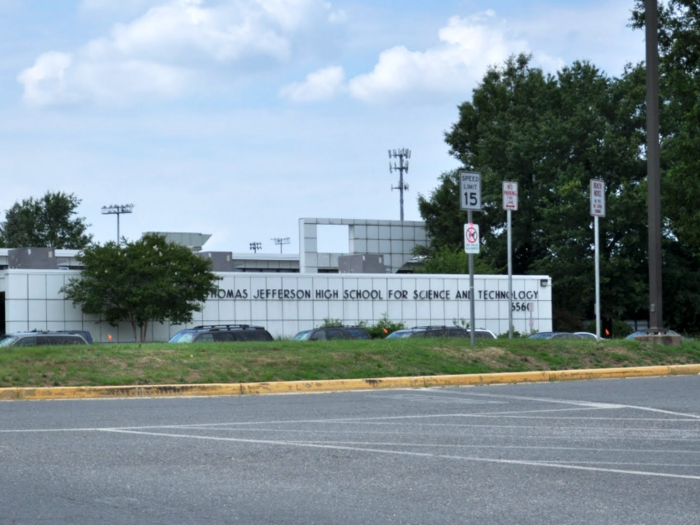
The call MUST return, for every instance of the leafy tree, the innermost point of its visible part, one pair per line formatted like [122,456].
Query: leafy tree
[140,282]
[45,222]
[552,134]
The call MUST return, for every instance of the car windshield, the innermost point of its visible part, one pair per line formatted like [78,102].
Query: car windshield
[182,337]
[8,340]
[302,336]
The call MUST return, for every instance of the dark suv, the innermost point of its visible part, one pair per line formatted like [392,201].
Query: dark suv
[332,332]
[42,338]
[221,333]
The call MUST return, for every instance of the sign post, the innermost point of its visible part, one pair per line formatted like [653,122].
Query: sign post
[470,200]
[510,203]
[597,210]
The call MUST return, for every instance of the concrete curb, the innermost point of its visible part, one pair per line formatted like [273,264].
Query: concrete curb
[287,387]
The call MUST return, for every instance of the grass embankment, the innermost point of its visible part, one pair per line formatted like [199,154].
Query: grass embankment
[154,364]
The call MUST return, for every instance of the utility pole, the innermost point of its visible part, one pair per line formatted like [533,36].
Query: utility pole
[403,155]
[653,168]
[255,246]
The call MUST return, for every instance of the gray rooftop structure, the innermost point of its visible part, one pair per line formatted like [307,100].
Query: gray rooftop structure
[394,240]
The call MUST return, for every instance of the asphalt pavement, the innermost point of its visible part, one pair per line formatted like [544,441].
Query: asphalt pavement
[615,451]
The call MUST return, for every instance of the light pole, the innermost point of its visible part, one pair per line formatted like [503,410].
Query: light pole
[117,209]
[403,155]
[255,246]
[281,241]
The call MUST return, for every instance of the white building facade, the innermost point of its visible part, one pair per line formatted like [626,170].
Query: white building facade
[290,293]
[288,303]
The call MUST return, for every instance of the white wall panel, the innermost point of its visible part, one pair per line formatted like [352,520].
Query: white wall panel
[351,310]
[305,311]
[335,310]
[274,310]
[258,311]
[395,310]
[226,311]
[37,313]
[291,302]
[242,312]
[72,312]
[54,283]
[36,286]
[16,287]
[55,311]
[365,312]
[423,312]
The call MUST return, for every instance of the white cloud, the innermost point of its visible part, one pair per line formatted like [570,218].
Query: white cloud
[468,46]
[169,49]
[45,81]
[319,86]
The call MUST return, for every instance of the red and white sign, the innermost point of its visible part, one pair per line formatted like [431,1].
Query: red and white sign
[597,198]
[471,238]
[510,195]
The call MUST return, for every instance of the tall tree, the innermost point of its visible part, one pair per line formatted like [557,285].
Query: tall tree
[552,134]
[45,222]
[149,280]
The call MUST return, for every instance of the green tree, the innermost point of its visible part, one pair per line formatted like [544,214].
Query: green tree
[45,222]
[149,280]
[552,134]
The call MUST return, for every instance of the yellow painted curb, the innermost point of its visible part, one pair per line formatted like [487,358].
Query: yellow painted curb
[286,387]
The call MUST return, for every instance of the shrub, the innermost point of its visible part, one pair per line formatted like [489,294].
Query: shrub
[383,327]
[327,321]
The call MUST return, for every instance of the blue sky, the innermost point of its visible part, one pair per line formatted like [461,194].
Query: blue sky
[238,117]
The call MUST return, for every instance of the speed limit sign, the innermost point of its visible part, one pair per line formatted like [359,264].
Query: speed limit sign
[470,191]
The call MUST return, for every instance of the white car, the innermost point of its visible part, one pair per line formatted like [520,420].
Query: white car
[586,335]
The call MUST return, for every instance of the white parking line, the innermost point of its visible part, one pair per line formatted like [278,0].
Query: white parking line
[507,447]
[582,403]
[416,454]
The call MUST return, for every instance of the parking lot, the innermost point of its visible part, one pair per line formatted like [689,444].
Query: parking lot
[608,451]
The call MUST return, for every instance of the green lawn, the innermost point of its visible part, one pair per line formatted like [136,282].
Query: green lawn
[121,364]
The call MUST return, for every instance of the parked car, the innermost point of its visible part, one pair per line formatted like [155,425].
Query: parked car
[586,335]
[41,339]
[86,335]
[555,335]
[218,333]
[441,331]
[327,333]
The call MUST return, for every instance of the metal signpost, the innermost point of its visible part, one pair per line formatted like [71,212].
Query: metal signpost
[597,210]
[470,200]
[510,203]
